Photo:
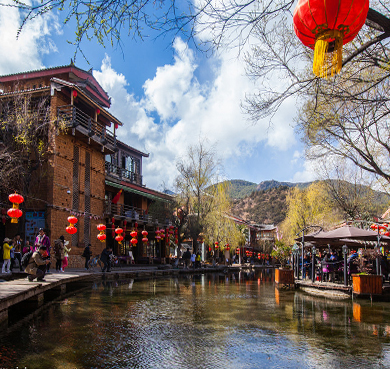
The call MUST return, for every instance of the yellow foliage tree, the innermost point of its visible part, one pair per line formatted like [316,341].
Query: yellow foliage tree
[310,206]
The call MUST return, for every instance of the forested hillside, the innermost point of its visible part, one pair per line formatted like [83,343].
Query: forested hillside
[266,202]
[264,206]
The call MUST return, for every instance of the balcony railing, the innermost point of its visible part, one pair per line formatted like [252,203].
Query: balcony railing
[123,174]
[76,118]
[132,213]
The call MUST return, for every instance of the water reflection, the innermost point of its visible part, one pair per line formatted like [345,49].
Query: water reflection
[201,321]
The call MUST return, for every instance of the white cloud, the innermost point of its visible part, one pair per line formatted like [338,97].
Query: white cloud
[176,111]
[26,52]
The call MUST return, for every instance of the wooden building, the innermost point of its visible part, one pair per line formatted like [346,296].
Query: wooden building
[86,164]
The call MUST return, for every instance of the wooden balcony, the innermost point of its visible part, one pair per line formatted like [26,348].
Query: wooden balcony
[85,127]
[123,174]
[131,213]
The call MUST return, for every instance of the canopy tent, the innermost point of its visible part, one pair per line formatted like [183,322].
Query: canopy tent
[344,235]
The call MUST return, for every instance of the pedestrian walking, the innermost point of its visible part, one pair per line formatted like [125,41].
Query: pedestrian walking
[43,240]
[18,251]
[187,258]
[193,258]
[7,247]
[66,255]
[105,257]
[36,267]
[59,253]
[87,255]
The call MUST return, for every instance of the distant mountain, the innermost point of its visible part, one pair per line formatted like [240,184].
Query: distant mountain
[240,188]
[266,202]
[263,206]
[266,185]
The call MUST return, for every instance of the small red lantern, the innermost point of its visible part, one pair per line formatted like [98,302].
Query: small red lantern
[209,249]
[145,240]
[101,227]
[119,238]
[326,26]
[72,220]
[144,233]
[101,237]
[133,234]
[74,93]
[216,244]
[134,241]
[71,229]
[116,125]
[118,230]
[97,111]
[15,212]
[227,247]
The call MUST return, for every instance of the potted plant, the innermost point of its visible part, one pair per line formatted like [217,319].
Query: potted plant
[366,281]
[282,252]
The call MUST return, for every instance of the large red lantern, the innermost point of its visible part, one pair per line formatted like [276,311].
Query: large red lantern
[326,26]
[15,212]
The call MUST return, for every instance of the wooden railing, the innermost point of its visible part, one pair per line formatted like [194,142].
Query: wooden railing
[74,117]
[122,173]
[133,213]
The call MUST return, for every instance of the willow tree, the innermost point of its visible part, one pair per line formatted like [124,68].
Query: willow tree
[219,226]
[307,207]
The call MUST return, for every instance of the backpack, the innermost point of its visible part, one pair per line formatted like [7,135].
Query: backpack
[26,258]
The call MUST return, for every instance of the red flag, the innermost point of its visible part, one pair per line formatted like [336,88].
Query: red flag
[116,197]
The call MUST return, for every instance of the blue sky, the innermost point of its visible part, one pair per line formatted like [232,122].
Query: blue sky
[169,96]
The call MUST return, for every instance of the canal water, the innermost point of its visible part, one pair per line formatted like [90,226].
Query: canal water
[211,321]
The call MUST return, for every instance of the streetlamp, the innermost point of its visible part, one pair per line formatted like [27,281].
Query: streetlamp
[295,251]
[345,252]
[303,242]
[313,263]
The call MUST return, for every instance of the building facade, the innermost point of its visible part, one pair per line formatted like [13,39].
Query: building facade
[86,163]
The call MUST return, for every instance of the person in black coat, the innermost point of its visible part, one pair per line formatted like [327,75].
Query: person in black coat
[105,259]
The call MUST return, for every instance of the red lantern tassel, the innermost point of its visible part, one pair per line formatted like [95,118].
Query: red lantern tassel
[326,63]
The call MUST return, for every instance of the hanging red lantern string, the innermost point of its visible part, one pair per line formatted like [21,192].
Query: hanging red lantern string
[227,247]
[326,26]
[71,229]
[101,236]
[216,245]
[158,237]
[134,235]
[144,236]
[15,212]
[119,237]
